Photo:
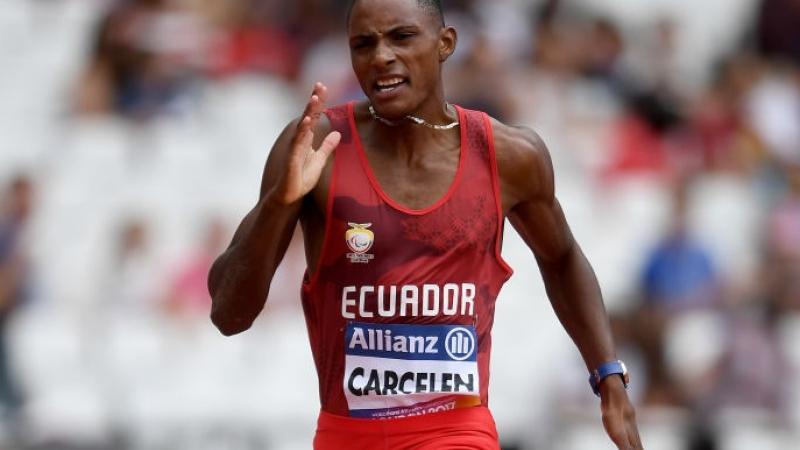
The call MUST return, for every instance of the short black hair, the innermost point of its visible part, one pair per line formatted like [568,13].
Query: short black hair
[432,7]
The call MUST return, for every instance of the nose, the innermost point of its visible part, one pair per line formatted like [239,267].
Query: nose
[384,55]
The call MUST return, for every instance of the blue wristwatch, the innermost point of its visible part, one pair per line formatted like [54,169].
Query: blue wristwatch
[607,369]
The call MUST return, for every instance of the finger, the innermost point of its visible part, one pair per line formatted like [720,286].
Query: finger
[301,142]
[305,134]
[322,93]
[315,93]
[329,144]
[316,88]
[318,105]
[311,108]
[303,127]
[314,110]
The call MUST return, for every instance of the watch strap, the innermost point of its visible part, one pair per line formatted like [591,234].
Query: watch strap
[605,370]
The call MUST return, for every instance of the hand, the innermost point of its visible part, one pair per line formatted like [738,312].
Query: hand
[619,418]
[304,164]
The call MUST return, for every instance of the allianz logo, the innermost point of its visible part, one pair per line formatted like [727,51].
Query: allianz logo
[383,340]
[459,343]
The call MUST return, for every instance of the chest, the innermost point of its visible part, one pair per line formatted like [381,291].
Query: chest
[418,182]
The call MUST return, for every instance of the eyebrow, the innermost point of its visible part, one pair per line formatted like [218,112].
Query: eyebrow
[390,31]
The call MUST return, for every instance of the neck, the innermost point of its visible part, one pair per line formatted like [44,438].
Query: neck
[434,113]
[435,110]
[407,139]
[414,119]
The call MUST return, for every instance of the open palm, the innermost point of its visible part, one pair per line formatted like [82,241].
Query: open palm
[305,164]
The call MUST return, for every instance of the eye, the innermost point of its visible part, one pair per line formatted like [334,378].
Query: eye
[404,35]
[360,44]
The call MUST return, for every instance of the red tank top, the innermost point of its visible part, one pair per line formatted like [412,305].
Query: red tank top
[401,306]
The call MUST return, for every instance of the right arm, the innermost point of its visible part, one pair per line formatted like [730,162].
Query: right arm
[240,278]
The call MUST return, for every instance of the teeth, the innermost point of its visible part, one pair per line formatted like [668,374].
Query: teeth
[390,82]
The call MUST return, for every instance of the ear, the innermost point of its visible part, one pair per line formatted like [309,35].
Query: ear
[448,38]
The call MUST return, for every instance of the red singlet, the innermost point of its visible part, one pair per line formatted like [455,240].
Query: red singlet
[400,309]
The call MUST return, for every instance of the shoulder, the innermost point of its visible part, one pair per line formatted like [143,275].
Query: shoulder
[518,146]
[523,161]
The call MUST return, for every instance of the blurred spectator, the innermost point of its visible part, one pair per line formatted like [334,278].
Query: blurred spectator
[604,47]
[724,138]
[145,54]
[781,267]
[188,290]
[641,138]
[271,37]
[480,79]
[251,39]
[326,60]
[773,110]
[552,93]
[556,46]
[307,21]
[679,272]
[17,205]
[783,232]
[779,29]
[654,57]
[753,371]
[133,279]
[678,276]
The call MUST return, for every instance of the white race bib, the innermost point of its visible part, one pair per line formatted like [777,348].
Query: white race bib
[404,370]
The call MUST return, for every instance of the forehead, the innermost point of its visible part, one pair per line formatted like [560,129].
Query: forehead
[380,15]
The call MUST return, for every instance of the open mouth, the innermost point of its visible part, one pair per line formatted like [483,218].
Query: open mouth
[387,85]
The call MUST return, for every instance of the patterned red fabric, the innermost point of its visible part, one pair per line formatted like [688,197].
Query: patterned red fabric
[453,243]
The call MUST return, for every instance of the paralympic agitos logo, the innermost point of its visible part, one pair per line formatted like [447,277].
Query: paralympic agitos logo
[359,239]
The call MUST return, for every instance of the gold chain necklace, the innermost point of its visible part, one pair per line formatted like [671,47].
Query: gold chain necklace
[415,119]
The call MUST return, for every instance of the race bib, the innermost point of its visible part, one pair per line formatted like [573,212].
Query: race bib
[405,370]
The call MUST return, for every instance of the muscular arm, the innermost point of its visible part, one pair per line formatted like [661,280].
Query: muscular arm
[240,278]
[568,277]
[527,185]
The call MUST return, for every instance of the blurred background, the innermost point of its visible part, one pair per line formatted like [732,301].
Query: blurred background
[132,138]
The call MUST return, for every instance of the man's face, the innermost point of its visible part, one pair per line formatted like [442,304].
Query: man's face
[396,49]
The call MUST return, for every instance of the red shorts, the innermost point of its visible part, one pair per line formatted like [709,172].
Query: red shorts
[462,429]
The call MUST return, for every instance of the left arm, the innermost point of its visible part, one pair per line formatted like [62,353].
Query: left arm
[527,185]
